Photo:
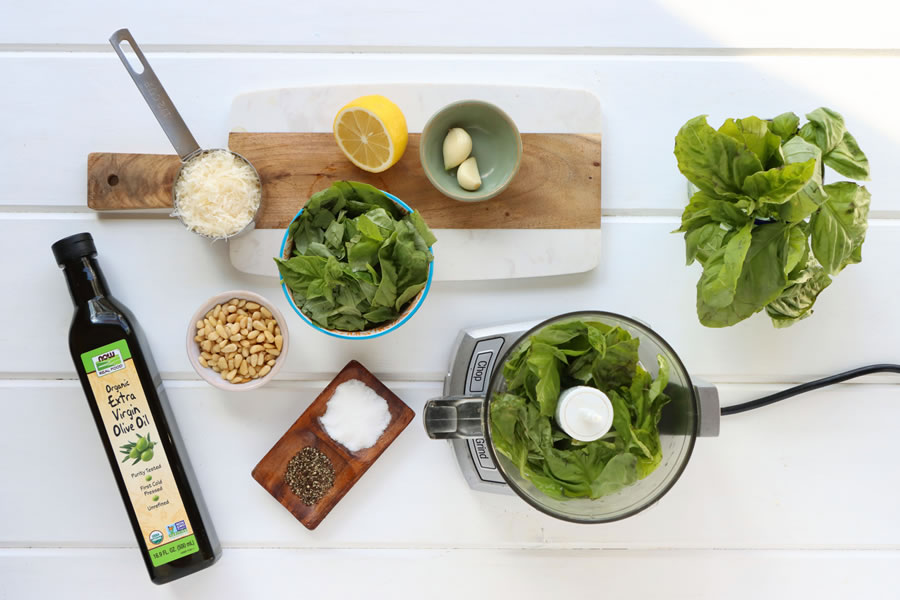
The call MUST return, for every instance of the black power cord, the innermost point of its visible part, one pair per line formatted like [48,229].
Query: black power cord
[808,387]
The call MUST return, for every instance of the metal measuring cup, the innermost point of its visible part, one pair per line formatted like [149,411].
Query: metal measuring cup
[172,124]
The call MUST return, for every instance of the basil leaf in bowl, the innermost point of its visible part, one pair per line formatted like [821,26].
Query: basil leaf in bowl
[355,259]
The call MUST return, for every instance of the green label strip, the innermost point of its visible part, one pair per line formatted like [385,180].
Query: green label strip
[174,550]
[87,359]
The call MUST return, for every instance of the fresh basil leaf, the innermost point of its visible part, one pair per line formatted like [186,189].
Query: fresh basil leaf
[521,419]
[386,294]
[797,250]
[796,302]
[777,186]
[363,254]
[754,133]
[728,212]
[785,125]
[714,162]
[722,270]
[382,219]
[838,228]
[317,249]
[381,314]
[702,241]
[334,235]
[847,159]
[356,254]
[762,278]
[825,129]
[807,200]
[408,294]
[368,228]
[419,223]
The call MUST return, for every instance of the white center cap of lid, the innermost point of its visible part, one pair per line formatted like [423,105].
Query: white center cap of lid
[585,413]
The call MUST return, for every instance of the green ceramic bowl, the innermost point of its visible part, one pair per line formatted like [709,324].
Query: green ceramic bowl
[496,146]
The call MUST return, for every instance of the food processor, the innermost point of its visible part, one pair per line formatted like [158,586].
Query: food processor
[475,377]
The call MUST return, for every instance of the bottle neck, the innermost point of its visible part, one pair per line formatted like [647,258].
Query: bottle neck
[85,280]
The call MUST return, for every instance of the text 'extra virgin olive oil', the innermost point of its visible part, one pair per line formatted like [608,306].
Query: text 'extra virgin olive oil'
[129,405]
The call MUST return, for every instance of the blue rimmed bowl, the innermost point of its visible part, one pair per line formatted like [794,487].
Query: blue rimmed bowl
[408,312]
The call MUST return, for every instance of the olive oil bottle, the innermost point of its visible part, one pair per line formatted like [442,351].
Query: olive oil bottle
[136,425]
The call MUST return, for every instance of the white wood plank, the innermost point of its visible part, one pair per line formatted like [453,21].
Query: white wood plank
[789,476]
[164,274]
[570,24]
[447,574]
[644,101]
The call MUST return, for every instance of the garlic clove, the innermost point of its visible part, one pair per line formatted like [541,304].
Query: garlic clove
[467,175]
[457,147]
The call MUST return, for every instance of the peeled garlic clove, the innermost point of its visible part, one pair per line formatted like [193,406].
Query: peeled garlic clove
[467,175]
[457,147]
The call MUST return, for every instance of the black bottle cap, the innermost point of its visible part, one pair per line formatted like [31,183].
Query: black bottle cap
[73,247]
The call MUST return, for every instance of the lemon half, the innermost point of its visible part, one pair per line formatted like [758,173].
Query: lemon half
[371,132]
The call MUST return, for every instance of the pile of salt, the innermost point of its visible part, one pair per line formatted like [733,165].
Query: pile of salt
[355,416]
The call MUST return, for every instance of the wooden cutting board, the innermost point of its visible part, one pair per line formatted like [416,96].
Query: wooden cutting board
[348,466]
[557,186]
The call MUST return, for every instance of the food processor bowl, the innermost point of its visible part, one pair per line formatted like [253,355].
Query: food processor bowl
[678,427]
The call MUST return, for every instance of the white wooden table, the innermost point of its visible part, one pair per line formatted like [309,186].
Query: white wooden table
[797,500]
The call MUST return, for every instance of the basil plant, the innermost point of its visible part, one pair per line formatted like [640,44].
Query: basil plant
[768,231]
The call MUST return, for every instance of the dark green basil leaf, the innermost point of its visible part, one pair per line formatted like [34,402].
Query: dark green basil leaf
[357,259]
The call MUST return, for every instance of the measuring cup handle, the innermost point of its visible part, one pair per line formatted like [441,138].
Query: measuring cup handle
[455,417]
[157,98]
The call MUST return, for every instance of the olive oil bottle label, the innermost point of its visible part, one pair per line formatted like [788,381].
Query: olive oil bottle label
[154,495]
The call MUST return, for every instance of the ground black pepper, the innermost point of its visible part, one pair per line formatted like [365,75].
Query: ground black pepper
[310,475]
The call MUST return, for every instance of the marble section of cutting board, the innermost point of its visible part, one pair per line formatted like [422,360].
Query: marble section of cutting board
[461,254]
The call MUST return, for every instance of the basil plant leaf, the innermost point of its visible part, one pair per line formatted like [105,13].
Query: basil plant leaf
[809,197]
[754,133]
[785,125]
[847,159]
[721,272]
[714,162]
[778,185]
[762,278]
[838,228]
[825,129]
[796,302]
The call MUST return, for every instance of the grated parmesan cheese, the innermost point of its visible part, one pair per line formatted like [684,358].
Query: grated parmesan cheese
[217,194]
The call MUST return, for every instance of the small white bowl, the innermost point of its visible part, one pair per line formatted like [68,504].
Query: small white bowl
[193,349]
